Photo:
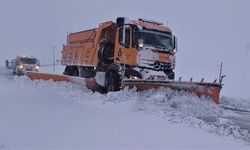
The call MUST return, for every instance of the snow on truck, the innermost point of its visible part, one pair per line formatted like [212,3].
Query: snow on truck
[127,53]
[22,64]
[125,49]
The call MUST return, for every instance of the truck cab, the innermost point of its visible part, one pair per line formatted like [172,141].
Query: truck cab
[146,45]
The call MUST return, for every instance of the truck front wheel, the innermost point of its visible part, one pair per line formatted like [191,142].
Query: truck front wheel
[112,81]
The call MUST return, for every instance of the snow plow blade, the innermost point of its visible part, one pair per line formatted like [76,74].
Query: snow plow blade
[89,83]
[211,90]
[45,76]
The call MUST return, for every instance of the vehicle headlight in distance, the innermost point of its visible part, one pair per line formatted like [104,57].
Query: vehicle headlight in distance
[37,67]
[21,67]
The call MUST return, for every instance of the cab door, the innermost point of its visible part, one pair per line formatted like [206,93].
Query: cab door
[124,52]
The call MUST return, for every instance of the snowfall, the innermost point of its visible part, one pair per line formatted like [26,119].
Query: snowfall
[59,115]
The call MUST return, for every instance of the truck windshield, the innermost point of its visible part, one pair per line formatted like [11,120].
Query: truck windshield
[155,39]
[28,60]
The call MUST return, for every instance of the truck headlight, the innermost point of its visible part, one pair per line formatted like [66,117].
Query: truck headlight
[37,67]
[141,45]
[134,78]
[21,67]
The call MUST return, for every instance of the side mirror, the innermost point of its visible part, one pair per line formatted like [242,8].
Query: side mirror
[38,62]
[124,36]
[140,43]
[175,43]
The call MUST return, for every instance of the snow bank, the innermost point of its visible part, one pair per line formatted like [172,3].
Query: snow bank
[236,103]
[45,114]
[186,109]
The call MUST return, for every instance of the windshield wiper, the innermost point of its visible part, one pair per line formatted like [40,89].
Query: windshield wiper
[161,47]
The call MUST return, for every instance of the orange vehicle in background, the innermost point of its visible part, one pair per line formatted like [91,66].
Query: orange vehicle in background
[131,49]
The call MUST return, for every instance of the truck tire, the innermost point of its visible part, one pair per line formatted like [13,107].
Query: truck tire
[112,79]
[106,52]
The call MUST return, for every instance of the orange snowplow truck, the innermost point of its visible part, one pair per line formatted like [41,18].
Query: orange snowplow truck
[125,49]
[127,53]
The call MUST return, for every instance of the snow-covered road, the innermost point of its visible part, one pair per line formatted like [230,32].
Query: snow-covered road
[241,120]
[45,114]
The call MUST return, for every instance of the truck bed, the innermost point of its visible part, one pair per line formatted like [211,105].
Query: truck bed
[82,37]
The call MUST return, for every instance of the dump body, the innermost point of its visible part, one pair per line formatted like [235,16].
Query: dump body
[80,49]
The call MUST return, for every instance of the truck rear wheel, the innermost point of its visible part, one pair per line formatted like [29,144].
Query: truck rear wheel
[112,80]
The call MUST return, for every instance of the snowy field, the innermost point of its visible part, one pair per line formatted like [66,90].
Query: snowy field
[49,115]
[45,114]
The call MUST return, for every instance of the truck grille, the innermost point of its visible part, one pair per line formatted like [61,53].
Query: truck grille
[28,68]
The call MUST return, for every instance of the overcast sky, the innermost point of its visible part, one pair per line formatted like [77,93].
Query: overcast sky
[209,31]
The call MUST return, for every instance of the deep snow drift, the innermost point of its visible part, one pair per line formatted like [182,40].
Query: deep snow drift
[45,114]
